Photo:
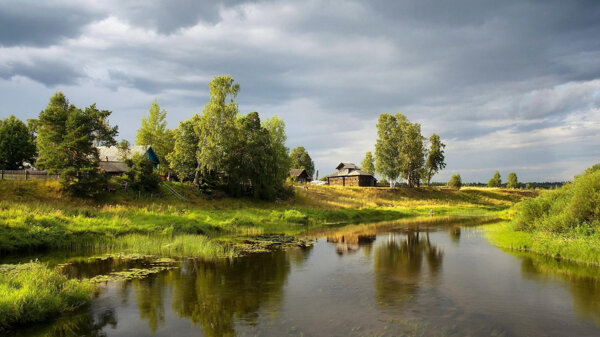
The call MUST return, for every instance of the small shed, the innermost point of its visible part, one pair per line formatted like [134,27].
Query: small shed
[299,176]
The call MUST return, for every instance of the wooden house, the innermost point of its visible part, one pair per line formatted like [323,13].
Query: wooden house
[348,174]
[299,176]
[111,160]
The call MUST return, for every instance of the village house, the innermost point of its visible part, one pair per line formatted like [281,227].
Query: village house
[299,176]
[111,159]
[348,174]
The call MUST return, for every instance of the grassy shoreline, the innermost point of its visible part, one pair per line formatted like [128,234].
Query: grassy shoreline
[34,215]
[580,248]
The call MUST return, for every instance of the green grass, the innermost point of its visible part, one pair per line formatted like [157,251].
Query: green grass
[32,293]
[576,247]
[34,215]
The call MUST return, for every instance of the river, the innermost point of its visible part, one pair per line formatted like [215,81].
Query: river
[404,279]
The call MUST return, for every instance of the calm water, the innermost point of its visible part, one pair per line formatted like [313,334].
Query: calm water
[390,280]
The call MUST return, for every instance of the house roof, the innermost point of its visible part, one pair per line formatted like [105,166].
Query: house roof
[350,166]
[111,153]
[113,166]
[297,172]
[346,173]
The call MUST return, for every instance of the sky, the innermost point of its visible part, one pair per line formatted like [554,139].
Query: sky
[508,85]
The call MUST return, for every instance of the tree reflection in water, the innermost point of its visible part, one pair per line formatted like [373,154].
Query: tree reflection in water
[398,265]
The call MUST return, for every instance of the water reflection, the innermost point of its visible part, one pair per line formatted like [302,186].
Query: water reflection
[398,265]
[214,294]
[583,281]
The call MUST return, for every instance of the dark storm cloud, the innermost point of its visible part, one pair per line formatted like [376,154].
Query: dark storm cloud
[507,74]
[40,23]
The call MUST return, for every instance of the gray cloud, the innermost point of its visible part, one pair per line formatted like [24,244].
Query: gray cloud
[502,73]
[41,23]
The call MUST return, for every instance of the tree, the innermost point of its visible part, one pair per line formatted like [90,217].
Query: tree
[17,144]
[66,143]
[216,127]
[141,175]
[512,181]
[387,150]
[183,159]
[455,182]
[412,150]
[435,157]
[300,159]
[399,149]
[495,181]
[276,128]
[368,164]
[154,132]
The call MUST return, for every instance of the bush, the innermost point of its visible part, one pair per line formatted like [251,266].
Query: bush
[575,205]
[455,182]
[32,293]
[141,175]
[84,183]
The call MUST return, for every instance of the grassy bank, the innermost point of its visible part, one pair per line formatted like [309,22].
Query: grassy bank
[563,223]
[32,293]
[35,215]
[573,246]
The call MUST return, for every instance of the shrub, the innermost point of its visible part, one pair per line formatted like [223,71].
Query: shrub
[455,182]
[575,205]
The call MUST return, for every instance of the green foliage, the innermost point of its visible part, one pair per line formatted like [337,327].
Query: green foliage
[141,175]
[86,182]
[368,164]
[455,181]
[300,159]
[216,127]
[183,158]
[17,144]
[495,181]
[435,157]
[281,159]
[33,293]
[66,143]
[154,132]
[573,207]
[399,150]
[512,181]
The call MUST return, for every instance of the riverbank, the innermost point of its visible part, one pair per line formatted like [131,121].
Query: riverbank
[562,223]
[576,247]
[34,215]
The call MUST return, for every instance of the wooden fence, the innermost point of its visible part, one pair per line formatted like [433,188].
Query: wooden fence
[27,175]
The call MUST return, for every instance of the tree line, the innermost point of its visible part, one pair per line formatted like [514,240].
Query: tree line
[219,149]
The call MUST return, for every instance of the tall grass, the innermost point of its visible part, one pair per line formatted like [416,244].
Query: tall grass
[32,292]
[168,245]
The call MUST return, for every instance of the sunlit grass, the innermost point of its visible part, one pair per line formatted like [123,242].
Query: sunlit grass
[32,292]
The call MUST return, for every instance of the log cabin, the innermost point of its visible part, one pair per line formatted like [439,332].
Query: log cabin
[348,174]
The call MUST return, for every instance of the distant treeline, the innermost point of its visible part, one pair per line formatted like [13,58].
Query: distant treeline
[531,185]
